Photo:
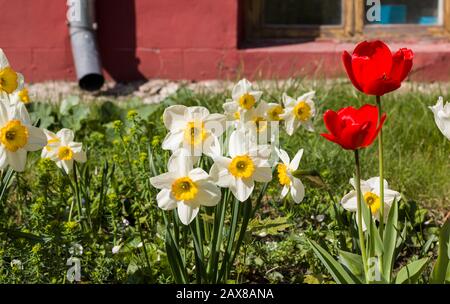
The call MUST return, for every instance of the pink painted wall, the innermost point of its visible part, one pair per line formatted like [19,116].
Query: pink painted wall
[173,39]
[138,38]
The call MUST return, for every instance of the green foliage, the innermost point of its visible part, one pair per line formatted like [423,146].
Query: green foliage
[118,207]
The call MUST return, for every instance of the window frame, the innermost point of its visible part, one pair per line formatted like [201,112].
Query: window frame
[352,26]
[257,30]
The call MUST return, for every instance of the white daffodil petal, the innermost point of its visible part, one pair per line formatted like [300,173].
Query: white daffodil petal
[17,160]
[288,101]
[296,160]
[173,141]
[374,183]
[211,147]
[242,189]
[221,176]
[173,118]
[67,165]
[442,116]
[297,190]
[238,143]
[390,196]
[308,96]
[349,201]
[208,194]
[3,158]
[242,87]
[165,200]
[3,60]
[163,181]
[66,136]
[36,139]
[289,124]
[186,213]
[80,157]
[180,163]
[215,124]
[283,156]
[198,174]
[196,113]
[284,191]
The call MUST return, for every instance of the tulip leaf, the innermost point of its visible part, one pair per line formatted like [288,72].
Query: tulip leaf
[410,273]
[375,242]
[353,262]
[439,273]
[390,240]
[337,271]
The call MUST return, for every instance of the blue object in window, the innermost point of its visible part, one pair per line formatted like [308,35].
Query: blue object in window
[428,20]
[393,14]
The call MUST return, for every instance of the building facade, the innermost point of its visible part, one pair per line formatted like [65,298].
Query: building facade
[220,39]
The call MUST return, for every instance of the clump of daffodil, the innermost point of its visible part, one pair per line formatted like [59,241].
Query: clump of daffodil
[185,188]
[63,150]
[371,196]
[194,129]
[298,112]
[285,175]
[17,136]
[243,98]
[10,80]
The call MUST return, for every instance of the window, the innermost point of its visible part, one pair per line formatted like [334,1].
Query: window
[313,19]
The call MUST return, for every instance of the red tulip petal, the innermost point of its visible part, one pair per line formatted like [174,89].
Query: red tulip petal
[368,113]
[370,139]
[379,87]
[330,137]
[371,61]
[402,64]
[354,135]
[347,60]
[332,122]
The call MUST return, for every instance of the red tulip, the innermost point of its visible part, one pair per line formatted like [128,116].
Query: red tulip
[353,128]
[374,70]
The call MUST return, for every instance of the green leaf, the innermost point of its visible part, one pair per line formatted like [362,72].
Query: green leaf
[353,262]
[67,104]
[439,273]
[269,226]
[337,271]
[410,273]
[389,241]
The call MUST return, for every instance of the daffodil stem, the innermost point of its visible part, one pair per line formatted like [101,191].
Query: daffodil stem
[362,242]
[381,162]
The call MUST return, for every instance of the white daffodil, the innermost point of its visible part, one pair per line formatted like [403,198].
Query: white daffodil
[371,194]
[298,112]
[10,80]
[287,180]
[248,163]
[63,150]
[20,96]
[442,116]
[194,129]
[185,188]
[243,98]
[17,136]
[274,112]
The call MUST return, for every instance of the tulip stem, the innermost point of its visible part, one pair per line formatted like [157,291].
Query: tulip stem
[362,242]
[380,159]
